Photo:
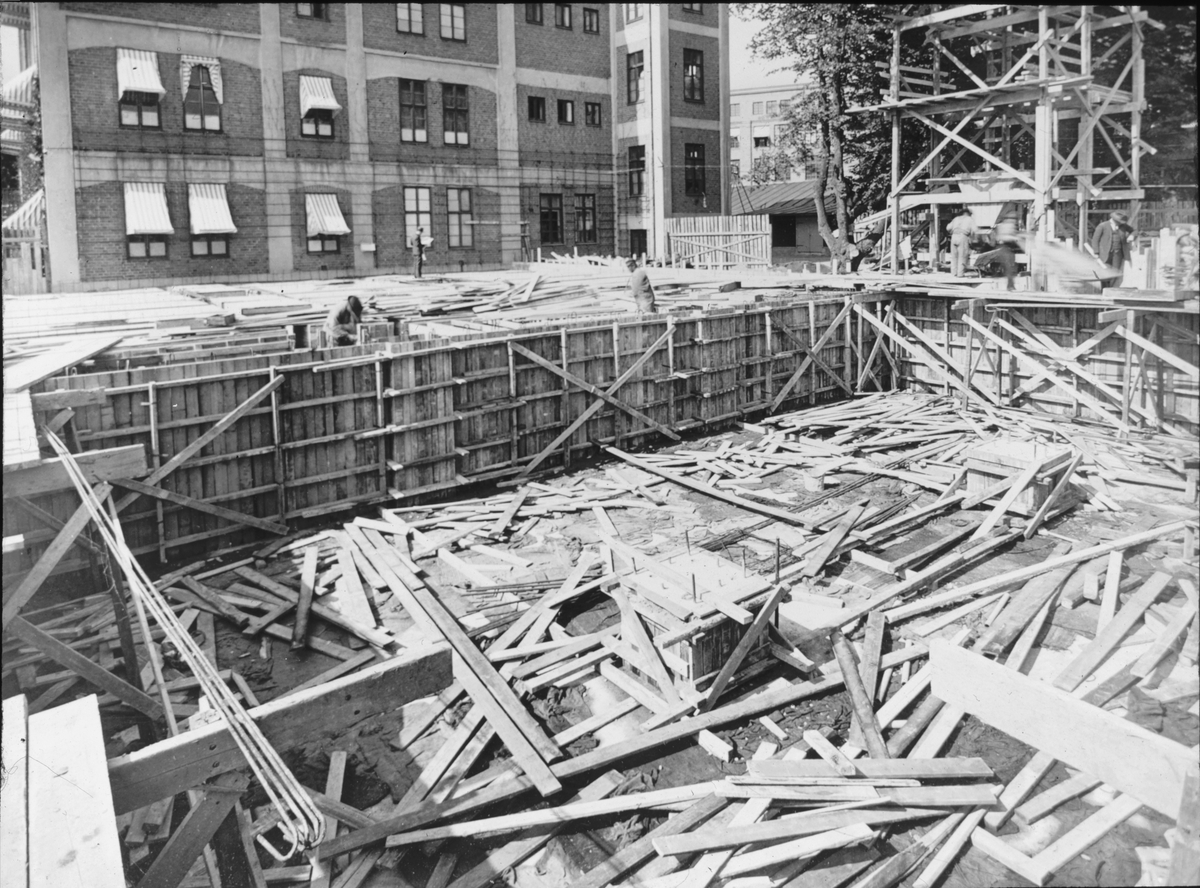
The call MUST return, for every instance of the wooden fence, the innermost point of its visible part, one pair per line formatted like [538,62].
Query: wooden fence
[720,241]
[24,263]
[406,419]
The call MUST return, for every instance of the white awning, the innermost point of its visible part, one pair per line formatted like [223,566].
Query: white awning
[187,62]
[324,215]
[317,92]
[19,90]
[209,210]
[137,71]
[28,216]
[146,208]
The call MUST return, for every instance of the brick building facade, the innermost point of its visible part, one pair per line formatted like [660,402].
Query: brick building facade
[499,128]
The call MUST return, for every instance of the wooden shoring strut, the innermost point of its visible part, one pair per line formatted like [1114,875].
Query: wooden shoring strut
[812,353]
[808,360]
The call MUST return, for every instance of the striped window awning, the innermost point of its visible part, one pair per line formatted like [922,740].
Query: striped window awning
[146,208]
[324,215]
[28,216]
[187,62]
[137,71]
[316,93]
[209,210]
[19,90]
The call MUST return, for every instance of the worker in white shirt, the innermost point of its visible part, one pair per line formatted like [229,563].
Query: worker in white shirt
[962,231]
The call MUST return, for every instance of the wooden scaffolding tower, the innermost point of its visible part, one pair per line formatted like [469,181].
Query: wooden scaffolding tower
[1040,105]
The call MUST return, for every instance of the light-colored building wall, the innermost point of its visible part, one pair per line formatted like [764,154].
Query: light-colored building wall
[759,113]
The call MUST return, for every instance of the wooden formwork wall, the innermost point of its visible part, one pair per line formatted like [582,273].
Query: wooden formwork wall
[402,419]
[1146,386]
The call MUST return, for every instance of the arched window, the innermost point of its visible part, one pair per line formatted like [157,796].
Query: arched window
[201,110]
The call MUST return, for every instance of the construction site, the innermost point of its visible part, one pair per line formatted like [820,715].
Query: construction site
[794,577]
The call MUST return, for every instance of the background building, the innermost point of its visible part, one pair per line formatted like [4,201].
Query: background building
[257,141]
[757,121]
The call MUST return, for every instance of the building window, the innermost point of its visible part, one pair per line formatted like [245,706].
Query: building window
[735,169]
[533,13]
[638,242]
[591,113]
[214,246]
[735,110]
[566,112]
[537,109]
[756,109]
[633,69]
[313,10]
[585,219]
[734,142]
[762,141]
[693,169]
[140,109]
[785,106]
[201,110]
[454,114]
[458,207]
[317,124]
[325,243]
[633,12]
[772,109]
[410,18]
[562,15]
[454,21]
[147,246]
[693,75]
[552,219]
[412,111]
[591,21]
[416,212]
[697,8]
[637,170]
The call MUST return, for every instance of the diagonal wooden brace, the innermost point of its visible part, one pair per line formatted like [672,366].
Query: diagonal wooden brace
[199,505]
[196,831]
[811,353]
[790,384]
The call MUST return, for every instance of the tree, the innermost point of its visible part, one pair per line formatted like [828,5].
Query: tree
[1169,123]
[770,166]
[834,47]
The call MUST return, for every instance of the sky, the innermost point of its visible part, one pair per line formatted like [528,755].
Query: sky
[745,70]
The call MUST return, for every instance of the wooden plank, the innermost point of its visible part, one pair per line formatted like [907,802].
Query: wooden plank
[1173,632]
[1185,855]
[197,829]
[1067,847]
[635,633]
[84,667]
[74,835]
[510,512]
[14,792]
[78,349]
[308,582]
[366,633]
[1110,636]
[48,475]
[187,760]
[188,502]
[919,769]
[749,638]
[1119,752]
[860,700]
[829,753]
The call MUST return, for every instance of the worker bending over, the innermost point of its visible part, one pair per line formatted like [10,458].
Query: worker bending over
[639,289]
[962,231]
[341,326]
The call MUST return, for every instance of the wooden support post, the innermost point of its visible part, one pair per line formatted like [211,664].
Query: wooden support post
[864,712]
[747,641]
[195,832]
[308,581]
[156,461]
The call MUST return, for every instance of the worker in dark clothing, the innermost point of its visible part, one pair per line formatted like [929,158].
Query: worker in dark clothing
[418,248]
[1007,240]
[639,288]
[341,326]
[1110,243]
[866,248]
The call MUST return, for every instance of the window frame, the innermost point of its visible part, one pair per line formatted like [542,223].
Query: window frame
[634,12]
[694,175]
[317,11]
[535,14]
[591,15]
[205,88]
[459,221]
[452,7]
[551,198]
[146,240]
[693,83]
[147,100]
[209,240]
[563,19]
[325,240]
[420,9]
[542,117]
[412,107]
[422,218]
[459,113]
[756,109]
[693,8]
[634,95]
[590,110]
[637,173]
[735,109]
[567,105]
[585,210]
[316,115]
